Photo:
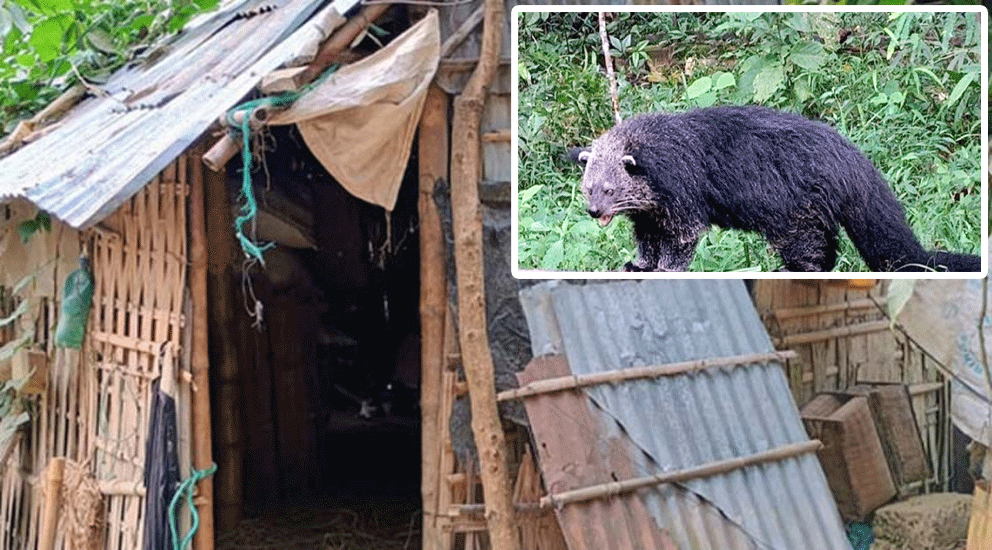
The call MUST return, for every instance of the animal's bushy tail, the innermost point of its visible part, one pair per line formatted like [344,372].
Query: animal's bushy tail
[876,224]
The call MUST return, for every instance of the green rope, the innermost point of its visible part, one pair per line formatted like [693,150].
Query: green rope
[186,487]
[250,207]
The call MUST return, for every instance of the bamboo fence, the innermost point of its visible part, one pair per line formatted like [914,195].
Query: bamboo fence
[96,407]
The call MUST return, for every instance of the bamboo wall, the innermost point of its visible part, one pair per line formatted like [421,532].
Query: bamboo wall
[95,409]
[843,338]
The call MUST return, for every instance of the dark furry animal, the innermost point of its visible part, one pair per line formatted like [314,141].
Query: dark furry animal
[750,168]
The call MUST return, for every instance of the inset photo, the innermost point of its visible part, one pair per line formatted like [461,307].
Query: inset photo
[770,142]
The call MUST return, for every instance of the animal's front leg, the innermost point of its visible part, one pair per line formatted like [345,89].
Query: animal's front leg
[662,254]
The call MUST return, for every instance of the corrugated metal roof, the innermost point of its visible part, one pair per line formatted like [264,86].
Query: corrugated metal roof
[677,422]
[109,147]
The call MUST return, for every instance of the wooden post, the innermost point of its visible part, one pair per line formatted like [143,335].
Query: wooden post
[53,494]
[490,441]
[433,157]
[200,363]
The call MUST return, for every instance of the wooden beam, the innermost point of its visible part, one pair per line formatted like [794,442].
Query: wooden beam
[200,363]
[466,168]
[433,157]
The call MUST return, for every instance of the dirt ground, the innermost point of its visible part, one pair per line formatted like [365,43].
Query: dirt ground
[371,524]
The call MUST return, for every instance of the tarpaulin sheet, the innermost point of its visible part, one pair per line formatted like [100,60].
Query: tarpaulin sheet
[942,316]
[360,121]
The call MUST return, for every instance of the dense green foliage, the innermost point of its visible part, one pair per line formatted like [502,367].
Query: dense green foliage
[904,87]
[48,45]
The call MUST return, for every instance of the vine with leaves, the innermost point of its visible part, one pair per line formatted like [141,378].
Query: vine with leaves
[47,46]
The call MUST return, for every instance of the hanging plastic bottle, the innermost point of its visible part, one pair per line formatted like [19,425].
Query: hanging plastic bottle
[77,298]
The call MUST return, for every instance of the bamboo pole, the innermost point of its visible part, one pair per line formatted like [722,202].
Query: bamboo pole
[53,494]
[461,33]
[200,362]
[807,311]
[552,385]
[341,39]
[490,441]
[433,155]
[839,332]
[221,258]
[614,488]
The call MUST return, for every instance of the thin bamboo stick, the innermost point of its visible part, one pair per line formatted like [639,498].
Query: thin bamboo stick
[461,33]
[553,385]
[706,470]
[790,312]
[839,332]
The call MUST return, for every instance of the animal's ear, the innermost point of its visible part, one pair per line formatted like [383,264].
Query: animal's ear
[578,154]
[628,160]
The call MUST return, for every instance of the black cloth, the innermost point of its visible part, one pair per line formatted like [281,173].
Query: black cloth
[161,470]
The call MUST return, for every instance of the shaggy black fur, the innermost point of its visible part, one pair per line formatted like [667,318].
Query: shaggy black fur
[750,168]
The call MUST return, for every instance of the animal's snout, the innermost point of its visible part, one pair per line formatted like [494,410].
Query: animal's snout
[595,212]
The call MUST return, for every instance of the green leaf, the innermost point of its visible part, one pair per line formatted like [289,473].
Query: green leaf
[8,349]
[768,81]
[9,425]
[53,6]
[798,22]
[27,228]
[21,308]
[725,80]
[26,59]
[699,87]
[553,257]
[47,36]
[960,87]
[101,41]
[527,194]
[44,220]
[522,72]
[801,89]
[26,279]
[706,100]
[585,227]
[808,55]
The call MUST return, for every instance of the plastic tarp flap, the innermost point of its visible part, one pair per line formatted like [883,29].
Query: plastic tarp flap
[360,122]
[942,316]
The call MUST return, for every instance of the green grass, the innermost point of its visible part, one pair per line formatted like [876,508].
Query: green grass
[903,87]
